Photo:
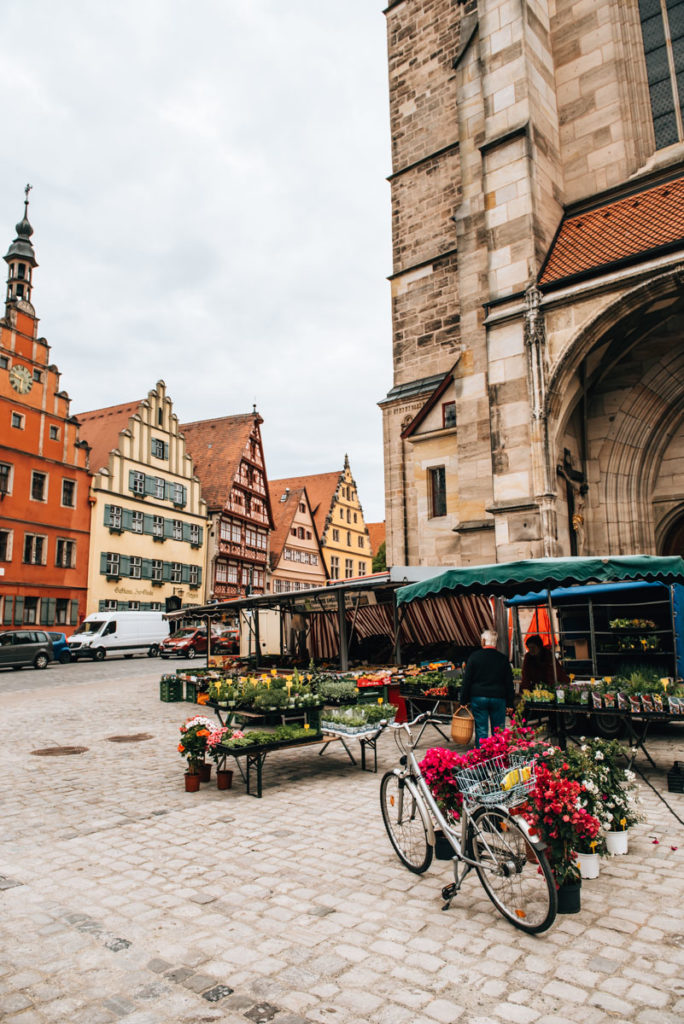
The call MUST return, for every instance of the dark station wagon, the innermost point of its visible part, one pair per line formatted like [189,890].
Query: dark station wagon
[20,647]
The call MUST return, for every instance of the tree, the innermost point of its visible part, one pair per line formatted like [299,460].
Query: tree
[379,559]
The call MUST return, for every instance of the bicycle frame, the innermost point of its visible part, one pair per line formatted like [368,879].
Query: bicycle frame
[410,774]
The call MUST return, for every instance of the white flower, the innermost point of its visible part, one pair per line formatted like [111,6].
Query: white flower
[598,756]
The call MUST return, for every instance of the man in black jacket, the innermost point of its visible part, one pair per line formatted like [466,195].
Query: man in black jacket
[488,686]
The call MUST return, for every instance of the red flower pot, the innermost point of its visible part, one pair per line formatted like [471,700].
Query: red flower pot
[205,772]
[224,779]
[192,783]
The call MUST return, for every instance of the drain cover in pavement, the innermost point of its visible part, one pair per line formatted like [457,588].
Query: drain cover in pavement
[136,737]
[58,751]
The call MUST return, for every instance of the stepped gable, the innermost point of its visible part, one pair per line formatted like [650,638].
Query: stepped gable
[216,447]
[320,489]
[101,429]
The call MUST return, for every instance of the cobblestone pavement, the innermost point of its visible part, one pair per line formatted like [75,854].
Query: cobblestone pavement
[123,898]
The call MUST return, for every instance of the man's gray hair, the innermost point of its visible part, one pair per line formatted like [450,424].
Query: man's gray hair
[489,637]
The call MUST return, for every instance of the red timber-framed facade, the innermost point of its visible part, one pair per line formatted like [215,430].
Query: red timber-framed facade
[229,461]
[44,480]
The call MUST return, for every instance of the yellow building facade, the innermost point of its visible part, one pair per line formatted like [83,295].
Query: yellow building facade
[148,536]
[345,542]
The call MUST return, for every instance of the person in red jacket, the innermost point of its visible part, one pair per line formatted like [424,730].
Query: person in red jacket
[537,666]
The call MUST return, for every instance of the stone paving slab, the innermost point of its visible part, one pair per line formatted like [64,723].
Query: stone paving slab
[123,898]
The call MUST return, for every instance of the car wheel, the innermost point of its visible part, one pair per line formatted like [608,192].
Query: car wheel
[74,657]
[608,726]
[153,651]
[65,657]
[41,661]
[99,654]
[191,652]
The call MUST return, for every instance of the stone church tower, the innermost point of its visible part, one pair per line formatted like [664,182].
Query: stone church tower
[537,406]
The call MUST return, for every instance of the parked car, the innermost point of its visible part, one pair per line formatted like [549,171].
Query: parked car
[227,642]
[19,647]
[187,642]
[60,647]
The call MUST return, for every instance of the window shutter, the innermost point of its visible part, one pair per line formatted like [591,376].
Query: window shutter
[166,571]
[150,484]
[147,568]
[131,478]
[184,496]
[186,532]
[185,574]
[44,611]
[147,524]
[101,606]
[103,563]
[18,610]
[168,527]
[199,574]
[73,613]
[166,449]
[7,611]
[125,565]
[108,515]
[52,610]
[127,519]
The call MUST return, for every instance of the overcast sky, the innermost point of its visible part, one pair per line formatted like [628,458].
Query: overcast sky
[210,208]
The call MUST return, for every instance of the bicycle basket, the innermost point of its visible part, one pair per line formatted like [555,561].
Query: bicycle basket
[494,782]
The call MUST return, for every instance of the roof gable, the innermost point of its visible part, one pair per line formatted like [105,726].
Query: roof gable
[101,429]
[320,488]
[217,447]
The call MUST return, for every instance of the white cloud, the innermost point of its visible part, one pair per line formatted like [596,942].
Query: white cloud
[210,208]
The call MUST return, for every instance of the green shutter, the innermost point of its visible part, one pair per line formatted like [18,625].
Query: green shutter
[101,606]
[186,532]
[147,524]
[166,571]
[150,484]
[7,611]
[166,450]
[73,613]
[44,611]
[125,565]
[185,574]
[52,611]
[18,610]
[168,527]
[131,478]
[108,515]
[147,568]
[103,563]
[127,519]
[201,535]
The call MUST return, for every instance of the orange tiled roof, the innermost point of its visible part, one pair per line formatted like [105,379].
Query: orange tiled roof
[216,447]
[376,533]
[283,514]
[617,232]
[101,429]
[320,489]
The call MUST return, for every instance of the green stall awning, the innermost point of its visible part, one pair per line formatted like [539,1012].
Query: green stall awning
[505,579]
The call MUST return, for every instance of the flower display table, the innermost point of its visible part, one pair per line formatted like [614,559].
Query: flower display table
[255,756]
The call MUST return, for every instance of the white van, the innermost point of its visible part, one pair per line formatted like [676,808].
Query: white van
[126,633]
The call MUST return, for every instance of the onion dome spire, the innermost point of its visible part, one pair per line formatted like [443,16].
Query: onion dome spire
[21,258]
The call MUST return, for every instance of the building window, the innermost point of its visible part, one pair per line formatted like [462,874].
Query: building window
[157,570]
[138,482]
[159,487]
[160,449]
[5,545]
[35,549]
[112,563]
[177,529]
[437,479]
[30,610]
[362,568]
[449,414]
[178,494]
[54,433]
[61,611]
[336,536]
[155,606]
[341,513]
[348,568]
[134,606]
[5,478]
[176,572]
[115,514]
[17,421]
[236,533]
[194,533]
[37,376]
[157,526]
[348,539]
[194,576]
[65,553]
[137,522]
[356,518]
[302,507]
[335,567]
[662,27]
[360,541]
[38,486]
[136,567]
[68,493]
[4,362]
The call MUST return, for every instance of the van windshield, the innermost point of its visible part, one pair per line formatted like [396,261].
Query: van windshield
[89,627]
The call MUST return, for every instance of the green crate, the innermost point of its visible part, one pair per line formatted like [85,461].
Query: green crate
[170,689]
[191,691]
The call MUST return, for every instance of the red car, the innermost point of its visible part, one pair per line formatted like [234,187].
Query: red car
[186,643]
[227,642]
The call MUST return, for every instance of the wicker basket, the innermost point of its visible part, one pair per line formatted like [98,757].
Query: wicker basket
[462,725]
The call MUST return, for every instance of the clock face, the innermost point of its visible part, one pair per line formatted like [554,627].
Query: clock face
[21,379]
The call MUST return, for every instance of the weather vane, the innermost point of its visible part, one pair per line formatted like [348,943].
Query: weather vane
[26,193]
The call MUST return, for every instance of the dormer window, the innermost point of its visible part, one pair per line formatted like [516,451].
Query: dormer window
[21,271]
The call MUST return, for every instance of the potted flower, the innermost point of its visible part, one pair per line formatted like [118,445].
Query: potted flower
[616,791]
[224,776]
[192,746]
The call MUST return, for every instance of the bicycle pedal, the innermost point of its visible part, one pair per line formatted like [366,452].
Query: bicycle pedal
[448,893]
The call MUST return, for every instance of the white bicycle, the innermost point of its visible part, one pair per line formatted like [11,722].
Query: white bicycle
[489,837]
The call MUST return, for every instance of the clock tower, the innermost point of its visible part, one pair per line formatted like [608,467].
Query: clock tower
[44,479]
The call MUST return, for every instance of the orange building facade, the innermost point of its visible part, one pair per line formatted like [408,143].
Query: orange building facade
[44,480]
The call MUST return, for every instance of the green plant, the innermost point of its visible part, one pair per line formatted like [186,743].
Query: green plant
[193,741]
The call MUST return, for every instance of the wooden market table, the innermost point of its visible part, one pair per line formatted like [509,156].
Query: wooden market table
[637,723]
[256,755]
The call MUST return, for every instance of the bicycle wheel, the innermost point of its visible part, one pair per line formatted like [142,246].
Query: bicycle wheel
[401,812]
[516,877]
